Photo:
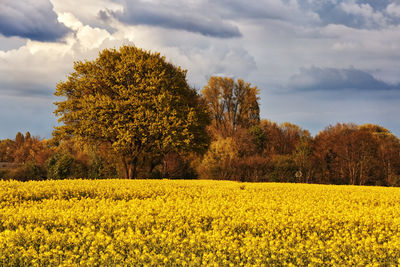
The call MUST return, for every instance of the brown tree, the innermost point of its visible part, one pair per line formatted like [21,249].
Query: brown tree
[347,154]
[388,153]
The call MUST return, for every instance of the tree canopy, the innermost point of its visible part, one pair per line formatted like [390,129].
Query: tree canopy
[136,101]
[232,104]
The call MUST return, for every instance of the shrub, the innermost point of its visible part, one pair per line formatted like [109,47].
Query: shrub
[26,172]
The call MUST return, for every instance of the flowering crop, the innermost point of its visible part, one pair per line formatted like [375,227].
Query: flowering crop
[162,222]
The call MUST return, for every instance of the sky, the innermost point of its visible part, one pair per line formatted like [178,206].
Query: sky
[315,62]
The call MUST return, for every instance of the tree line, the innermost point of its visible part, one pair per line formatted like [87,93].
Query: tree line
[130,113]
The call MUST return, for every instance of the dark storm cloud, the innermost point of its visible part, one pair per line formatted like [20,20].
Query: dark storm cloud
[175,16]
[332,79]
[33,19]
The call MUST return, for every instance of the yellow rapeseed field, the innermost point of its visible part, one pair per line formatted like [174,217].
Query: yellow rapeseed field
[191,223]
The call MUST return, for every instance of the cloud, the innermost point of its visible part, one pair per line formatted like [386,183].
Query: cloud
[367,15]
[210,18]
[289,11]
[33,19]
[34,69]
[393,9]
[8,43]
[360,14]
[333,79]
[175,16]
[200,55]
[87,11]
[88,37]
[41,64]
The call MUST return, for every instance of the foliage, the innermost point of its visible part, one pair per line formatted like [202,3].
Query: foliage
[280,139]
[60,166]
[26,156]
[171,223]
[351,154]
[259,138]
[254,168]
[24,149]
[282,169]
[134,100]
[7,148]
[302,157]
[232,105]
[177,166]
[26,172]
[70,161]
[218,162]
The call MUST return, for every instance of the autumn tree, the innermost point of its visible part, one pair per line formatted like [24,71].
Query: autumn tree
[302,156]
[234,111]
[7,148]
[232,104]
[19,139]
[347,154]
[272,135]
[291,135]
[388,153]
[134,100]
[218,162]
[27,156]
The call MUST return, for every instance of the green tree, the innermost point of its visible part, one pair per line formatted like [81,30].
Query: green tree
[60,166]
[134,100]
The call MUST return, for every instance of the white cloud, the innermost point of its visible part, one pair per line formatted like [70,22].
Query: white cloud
[86,11]
[89,37]
[345,46]
[36,67]
[365,11]
[393,9]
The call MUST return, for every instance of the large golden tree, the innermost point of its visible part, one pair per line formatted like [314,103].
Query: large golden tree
[136,101]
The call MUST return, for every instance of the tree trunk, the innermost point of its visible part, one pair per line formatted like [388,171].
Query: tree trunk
[126,169]
[164,173]
[130,167]
[131,172]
